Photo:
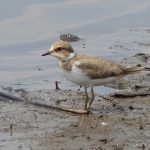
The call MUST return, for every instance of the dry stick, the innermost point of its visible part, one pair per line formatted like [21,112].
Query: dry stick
[17,99]
[56,85]
[130,95]
[106,97]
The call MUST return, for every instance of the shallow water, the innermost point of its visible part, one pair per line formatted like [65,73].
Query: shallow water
[112,29]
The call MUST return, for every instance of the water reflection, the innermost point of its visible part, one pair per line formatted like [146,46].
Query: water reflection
[111,29]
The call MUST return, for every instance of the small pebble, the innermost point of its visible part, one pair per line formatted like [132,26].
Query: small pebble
[131,107]
[141,127]
[11,125]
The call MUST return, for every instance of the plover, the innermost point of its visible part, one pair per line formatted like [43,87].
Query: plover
[88,71]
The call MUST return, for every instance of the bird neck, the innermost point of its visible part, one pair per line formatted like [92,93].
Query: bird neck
[71,55]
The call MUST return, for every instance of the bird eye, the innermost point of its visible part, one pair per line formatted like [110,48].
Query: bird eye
[58,49]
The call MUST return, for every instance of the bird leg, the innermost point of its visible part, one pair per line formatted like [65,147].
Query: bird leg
[86,98]
[92,98]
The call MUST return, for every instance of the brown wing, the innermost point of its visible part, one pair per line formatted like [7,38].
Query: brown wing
[97,67]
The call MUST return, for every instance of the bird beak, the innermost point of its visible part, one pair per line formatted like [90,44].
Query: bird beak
[47,53]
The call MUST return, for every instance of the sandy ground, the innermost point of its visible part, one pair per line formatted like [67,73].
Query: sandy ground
[116,124]
[111,29]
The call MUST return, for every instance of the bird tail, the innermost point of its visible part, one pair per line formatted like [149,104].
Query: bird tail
[136,69]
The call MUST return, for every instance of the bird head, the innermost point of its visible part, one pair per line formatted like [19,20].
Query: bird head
[61,50]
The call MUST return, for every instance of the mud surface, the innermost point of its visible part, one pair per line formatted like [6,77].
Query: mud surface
[114,30]
[113,124]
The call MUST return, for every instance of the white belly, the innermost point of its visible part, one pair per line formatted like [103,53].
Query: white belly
[78,77]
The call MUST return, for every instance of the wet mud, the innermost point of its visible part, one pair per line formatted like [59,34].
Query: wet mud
[116,123]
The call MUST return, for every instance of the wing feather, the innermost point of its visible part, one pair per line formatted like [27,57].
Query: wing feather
[98,67]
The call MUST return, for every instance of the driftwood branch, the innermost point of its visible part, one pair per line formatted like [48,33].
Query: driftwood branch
[17,99]
[130,95]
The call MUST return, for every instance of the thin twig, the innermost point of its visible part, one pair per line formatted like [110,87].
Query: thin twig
[56,85]
[106,97]
[17,99]
[130,95]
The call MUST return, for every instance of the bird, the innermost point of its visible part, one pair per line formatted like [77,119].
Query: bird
[87,70]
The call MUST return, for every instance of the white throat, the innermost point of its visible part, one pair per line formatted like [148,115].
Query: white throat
[71,55]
